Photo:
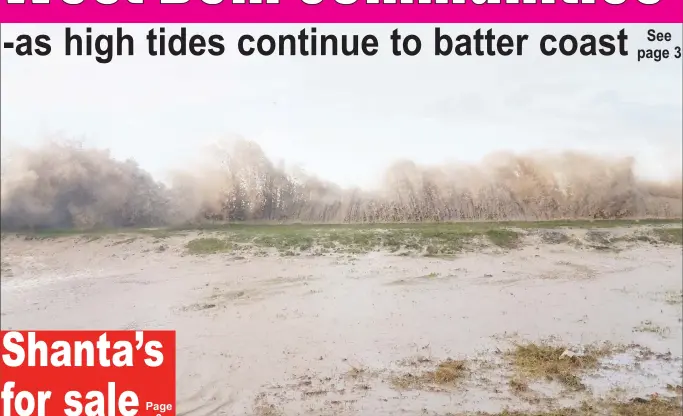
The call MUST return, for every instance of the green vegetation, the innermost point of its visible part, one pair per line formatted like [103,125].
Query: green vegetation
[670,235]
[446,239]
[208,246]
[474,225]
[428,239]
[503,238]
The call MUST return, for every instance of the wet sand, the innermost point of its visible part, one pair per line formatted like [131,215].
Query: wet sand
[327,334]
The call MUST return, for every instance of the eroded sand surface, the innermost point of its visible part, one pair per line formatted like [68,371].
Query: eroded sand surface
[327,334]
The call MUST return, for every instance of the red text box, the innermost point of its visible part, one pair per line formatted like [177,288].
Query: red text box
[72,373]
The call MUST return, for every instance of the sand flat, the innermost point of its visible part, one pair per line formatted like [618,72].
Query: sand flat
[327,334]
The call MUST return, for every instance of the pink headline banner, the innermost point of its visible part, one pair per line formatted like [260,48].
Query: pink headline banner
[341,11]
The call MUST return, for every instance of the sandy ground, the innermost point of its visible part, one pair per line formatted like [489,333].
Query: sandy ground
[325,335]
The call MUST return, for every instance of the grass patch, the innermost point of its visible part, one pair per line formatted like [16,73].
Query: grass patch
[674,298]
[263,408]
[648,326]
[477,226]
[442,240]
[554,237]
[481,225]
[5,269]
[599,237]
[599,240]
[432,275]
[642,407]
[558,412]
[160,234]
[208,246]
[635,407]
[447,373]
[518,385]
[126,241]
[542,361]
[678,389]
[289,240]
[669,235]
[639,238]
[357,373]
[503,238]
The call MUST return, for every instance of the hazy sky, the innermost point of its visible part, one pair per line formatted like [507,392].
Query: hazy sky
[345,118]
